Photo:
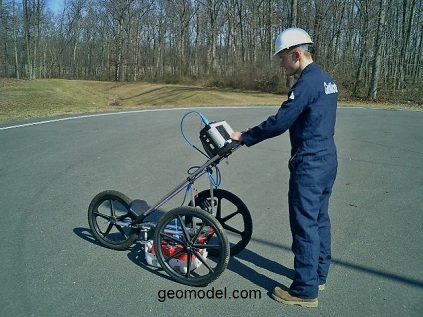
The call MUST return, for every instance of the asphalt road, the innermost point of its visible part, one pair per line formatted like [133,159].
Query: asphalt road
[51,266]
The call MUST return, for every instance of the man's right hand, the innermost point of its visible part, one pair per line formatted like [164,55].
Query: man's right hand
[237,136]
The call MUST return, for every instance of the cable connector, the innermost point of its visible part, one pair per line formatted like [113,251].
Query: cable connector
[204,119]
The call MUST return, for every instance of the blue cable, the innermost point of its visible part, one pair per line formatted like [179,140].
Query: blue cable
[186,194]
[214,181]
[205,121]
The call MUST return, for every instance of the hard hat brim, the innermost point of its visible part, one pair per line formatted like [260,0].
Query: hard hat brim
[288,48]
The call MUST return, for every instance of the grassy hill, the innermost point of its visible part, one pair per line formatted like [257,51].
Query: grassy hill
[54,97]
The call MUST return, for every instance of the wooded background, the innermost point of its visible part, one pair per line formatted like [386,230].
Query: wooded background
[372,48]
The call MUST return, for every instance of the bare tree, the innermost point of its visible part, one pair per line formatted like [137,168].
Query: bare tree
[28,16]
[362,39]
[213,8]
[407,22]
[293,23]
[15,39]
[378,51]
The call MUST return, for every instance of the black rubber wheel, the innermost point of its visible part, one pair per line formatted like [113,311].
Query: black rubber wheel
[184,252]
[109,219]
[232,214]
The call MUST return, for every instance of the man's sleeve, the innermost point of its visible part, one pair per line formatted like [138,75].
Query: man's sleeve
[277,124]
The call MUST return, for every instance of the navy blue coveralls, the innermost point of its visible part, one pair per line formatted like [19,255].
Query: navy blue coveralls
[309,114]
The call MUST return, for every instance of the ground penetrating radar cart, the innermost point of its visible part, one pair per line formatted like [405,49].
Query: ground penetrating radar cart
[192,243]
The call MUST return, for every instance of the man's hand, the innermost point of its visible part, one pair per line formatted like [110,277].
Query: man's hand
[237,136]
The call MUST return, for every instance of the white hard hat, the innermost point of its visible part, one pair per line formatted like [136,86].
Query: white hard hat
[290,38]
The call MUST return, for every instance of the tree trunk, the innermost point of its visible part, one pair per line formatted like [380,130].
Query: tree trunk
[293,23]
[364,34]
[377,55]
[407,23]
[27,25]
[15,39]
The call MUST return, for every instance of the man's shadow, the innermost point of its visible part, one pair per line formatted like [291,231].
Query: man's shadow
[261,280]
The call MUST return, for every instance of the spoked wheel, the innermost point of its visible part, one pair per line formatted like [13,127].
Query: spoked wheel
[232,214]
[109,220]
[183,247]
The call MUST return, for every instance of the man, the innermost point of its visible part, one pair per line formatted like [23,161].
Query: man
[309,114]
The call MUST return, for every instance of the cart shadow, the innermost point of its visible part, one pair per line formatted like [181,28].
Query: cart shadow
[236,265]
[86,234]
[136,252]
[137,255]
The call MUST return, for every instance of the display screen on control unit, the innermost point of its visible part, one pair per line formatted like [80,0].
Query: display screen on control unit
[221,129]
